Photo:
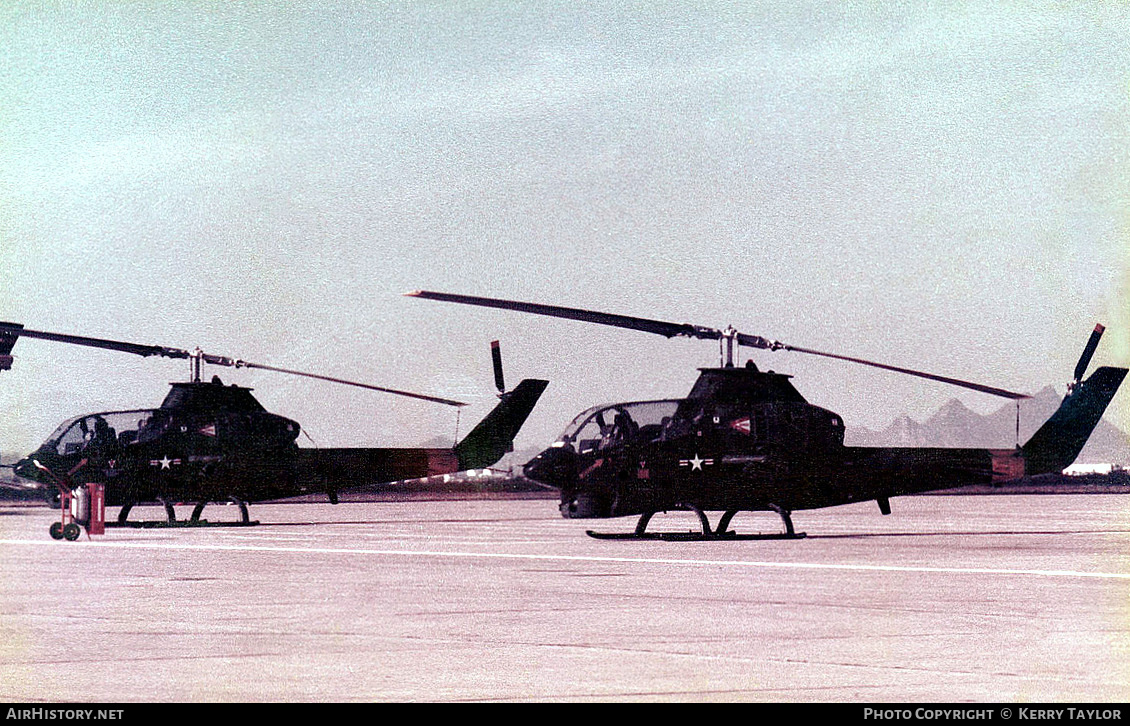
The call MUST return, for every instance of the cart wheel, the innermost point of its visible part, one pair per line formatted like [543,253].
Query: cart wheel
[71,532]
[56,530]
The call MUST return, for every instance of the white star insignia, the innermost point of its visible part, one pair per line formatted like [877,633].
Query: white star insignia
[696,463]
[165,461]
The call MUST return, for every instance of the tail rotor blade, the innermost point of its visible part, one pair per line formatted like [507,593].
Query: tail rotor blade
[496,355]
[1085,359]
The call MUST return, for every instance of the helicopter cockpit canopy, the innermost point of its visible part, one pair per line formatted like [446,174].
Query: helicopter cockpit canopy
[618,423]
[97,430]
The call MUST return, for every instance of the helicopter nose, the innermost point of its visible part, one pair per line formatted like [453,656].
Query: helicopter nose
[584,505]
[25,469]
[554,467]
[34,480]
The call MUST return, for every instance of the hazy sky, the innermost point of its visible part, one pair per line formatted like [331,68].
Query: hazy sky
[935,185]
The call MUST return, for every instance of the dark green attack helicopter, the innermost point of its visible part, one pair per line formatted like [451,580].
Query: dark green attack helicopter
[747,440]
[210,442]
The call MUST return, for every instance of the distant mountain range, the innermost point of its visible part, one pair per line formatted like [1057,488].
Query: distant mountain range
[954,425]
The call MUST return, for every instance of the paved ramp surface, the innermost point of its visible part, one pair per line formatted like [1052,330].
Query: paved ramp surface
[1014,598]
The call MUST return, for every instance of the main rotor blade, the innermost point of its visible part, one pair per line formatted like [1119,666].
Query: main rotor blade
[671,330]
[216,360]
[124,347]
[1003,393]
[260,366]
[668,330]
[1088,351]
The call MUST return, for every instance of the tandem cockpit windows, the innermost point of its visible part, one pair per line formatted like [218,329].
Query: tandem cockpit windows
[621,423]
[98,432]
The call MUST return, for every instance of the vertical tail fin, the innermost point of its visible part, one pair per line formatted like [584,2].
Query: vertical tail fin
[1054,447]
[493,437]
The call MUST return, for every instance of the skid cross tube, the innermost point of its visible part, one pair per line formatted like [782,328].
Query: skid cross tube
[708,533]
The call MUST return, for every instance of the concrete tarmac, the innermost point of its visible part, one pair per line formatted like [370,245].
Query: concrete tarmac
[951,598]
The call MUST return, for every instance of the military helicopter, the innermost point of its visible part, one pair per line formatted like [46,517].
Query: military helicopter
[210,442]
[747,440]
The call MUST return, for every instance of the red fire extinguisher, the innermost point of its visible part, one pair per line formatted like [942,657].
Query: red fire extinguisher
[96,523]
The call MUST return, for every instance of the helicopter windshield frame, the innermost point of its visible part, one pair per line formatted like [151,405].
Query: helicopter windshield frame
[72,435]
[601,426]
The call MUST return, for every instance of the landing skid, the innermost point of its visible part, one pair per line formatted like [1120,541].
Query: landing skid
[707,534]
[181,523]
[172,521]
[692,536]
